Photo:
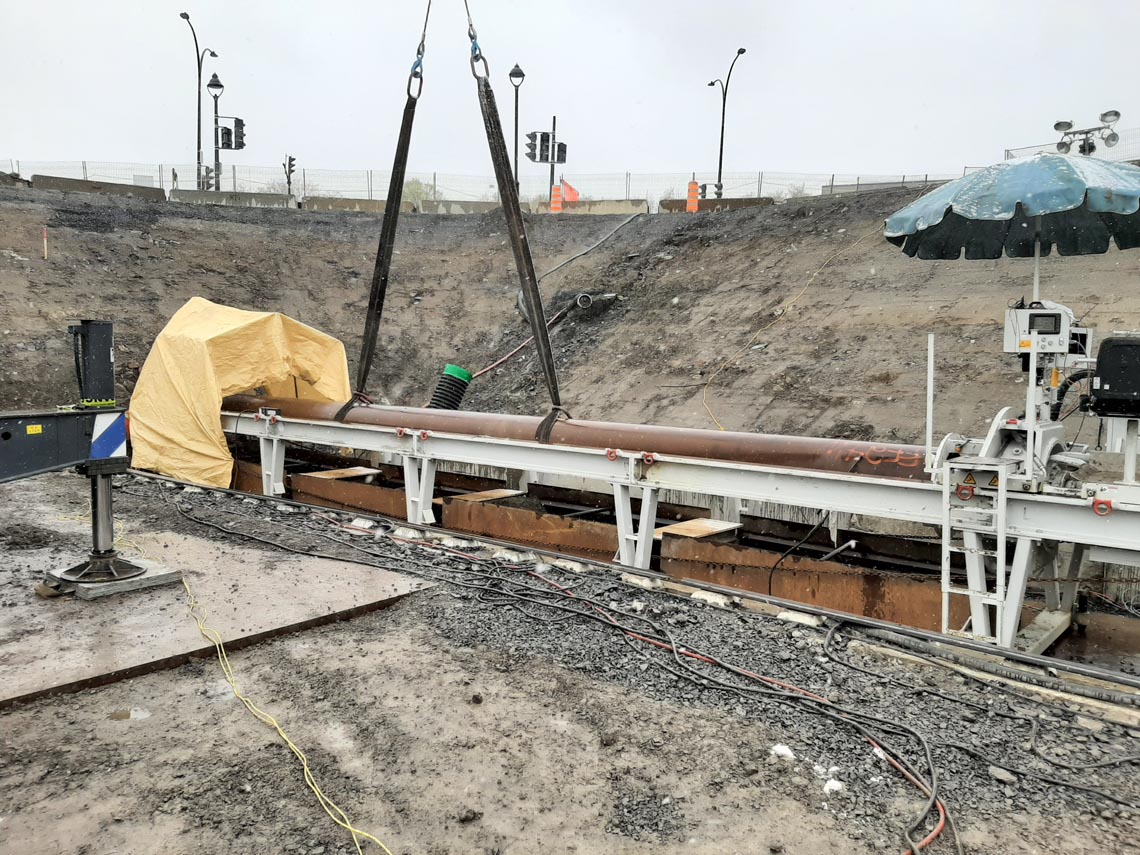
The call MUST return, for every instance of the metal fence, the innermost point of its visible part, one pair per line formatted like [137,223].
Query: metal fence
[373,183]
[1128,148]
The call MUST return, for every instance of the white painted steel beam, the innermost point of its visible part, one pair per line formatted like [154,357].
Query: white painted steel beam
[1037,516]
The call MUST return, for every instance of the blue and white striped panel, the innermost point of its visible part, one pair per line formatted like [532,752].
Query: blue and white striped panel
[109,439]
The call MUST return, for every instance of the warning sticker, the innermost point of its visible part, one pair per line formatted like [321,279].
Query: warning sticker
[994,481]
[969,479]
[32,430]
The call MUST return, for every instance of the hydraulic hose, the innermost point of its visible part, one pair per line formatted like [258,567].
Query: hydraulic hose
[1066,385]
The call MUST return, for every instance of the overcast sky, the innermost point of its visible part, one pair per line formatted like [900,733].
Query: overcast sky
[877,86]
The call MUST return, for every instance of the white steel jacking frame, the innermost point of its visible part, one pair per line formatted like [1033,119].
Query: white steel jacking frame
[1038,522]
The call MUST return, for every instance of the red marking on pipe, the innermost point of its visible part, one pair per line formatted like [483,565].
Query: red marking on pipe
[611,454]
[964,492]
[1102,507]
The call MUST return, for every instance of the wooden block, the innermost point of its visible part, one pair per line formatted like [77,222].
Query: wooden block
[702,527]
[350,472]
[487,495]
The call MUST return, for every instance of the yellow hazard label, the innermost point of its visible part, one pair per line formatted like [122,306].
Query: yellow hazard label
[34,429]
[994,481]
[969,479]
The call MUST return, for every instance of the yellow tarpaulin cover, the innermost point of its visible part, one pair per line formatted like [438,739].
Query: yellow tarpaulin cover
[206,352]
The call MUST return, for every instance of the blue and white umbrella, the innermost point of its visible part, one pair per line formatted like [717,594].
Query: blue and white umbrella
[1022,208]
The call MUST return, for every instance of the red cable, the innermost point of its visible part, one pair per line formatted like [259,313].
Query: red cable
[499,362]
[922,844]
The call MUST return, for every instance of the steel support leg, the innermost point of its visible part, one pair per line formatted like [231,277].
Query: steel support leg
[272,466]
[635,548]
[1023,555]
[1067,586]
[976,580]
[103,564]
[1049,570]
[419,487]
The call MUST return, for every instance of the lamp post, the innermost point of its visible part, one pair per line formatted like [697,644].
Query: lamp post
[1087,145]
[216,89]
[199,58]
[517,77]
[723,107]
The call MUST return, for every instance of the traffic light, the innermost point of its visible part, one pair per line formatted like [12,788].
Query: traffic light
[207,178]
[532,146]
[239,133]
[289,167]
[227,138]
[560,155]
[544,147]
[704,188]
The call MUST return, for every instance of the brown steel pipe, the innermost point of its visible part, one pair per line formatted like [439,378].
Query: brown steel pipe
[830,455]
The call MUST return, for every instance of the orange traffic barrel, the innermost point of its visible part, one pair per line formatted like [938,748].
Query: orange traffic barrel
[556,199]
[693,204]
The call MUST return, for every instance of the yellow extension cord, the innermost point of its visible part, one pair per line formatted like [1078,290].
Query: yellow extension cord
[783,313]
[198,612]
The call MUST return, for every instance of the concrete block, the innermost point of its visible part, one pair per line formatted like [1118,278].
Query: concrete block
[599,206]
[364,206]
[712,598]
[640,581]
[802,618]
[677,206]
[462,206]
[235,200]
[78,185]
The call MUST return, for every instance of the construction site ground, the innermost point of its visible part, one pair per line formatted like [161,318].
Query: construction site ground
[456,721]
[466,719]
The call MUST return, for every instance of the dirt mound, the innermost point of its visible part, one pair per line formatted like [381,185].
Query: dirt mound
[822,323]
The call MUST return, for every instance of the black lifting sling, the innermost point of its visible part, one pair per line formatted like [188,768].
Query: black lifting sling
[508,194]
[379,288]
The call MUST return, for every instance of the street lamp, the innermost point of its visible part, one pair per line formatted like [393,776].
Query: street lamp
[199,58]
[517,77]
[723,107]
[1087,145]
[216,89]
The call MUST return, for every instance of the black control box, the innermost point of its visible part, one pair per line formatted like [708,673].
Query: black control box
[1115,391]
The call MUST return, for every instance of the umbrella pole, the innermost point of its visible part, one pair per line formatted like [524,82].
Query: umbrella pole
[1037,261]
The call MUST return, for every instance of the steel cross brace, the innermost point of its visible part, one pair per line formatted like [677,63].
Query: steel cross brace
[635,548]
[419,487]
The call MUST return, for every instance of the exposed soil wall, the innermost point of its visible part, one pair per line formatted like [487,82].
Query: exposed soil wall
[846,359]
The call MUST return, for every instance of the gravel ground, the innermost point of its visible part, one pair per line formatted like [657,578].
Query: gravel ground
[980,789]
[495,713]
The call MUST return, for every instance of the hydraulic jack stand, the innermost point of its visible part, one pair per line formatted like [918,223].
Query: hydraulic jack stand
[92,438]
[103,564]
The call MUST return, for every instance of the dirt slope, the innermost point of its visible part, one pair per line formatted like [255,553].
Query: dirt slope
[847,358]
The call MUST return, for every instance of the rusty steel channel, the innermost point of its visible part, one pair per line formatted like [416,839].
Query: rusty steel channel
[910,597]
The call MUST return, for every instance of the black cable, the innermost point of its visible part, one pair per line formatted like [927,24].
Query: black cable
[1034,724]
[794,547]
[832,711]
[661,636]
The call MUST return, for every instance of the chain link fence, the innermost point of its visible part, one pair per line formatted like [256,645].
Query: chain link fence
[373,183]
